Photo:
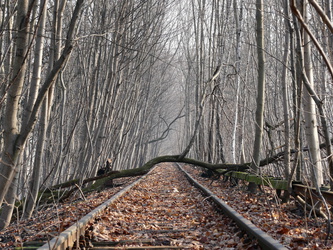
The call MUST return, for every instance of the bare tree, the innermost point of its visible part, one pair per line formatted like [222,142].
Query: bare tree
[261,91]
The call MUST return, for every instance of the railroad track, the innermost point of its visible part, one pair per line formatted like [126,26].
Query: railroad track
[162,210]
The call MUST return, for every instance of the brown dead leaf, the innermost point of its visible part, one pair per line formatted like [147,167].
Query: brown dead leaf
[283,230]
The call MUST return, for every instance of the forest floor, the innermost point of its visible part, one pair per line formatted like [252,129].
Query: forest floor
[52,218]
[288,223]
[185,212]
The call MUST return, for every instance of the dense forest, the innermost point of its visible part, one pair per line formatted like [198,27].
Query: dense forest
[223,81]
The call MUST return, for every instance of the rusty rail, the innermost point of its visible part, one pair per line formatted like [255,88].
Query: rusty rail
[265,241]
[71,236]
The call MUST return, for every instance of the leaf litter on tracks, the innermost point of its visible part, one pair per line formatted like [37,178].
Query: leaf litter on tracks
[165,209]
[51,219]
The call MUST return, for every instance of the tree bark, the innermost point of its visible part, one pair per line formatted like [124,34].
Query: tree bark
[287,171]
[8,168]
[261,91]
[36,173]
[311,123]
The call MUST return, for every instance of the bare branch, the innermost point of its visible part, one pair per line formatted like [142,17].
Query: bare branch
[165,133]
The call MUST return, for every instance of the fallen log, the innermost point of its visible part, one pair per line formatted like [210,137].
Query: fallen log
[167,158]
[103,180]
[78,181]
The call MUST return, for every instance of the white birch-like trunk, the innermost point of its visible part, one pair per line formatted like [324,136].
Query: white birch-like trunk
[310,115]
[238,19]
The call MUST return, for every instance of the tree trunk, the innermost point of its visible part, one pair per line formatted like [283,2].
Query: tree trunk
[310,115]
[238,19]
[296,66]
[9,205]
[10,153]
[261,92]
[287,171]
[36,174]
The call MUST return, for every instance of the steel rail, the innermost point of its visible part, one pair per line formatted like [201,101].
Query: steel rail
[265,241]
[67,238]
